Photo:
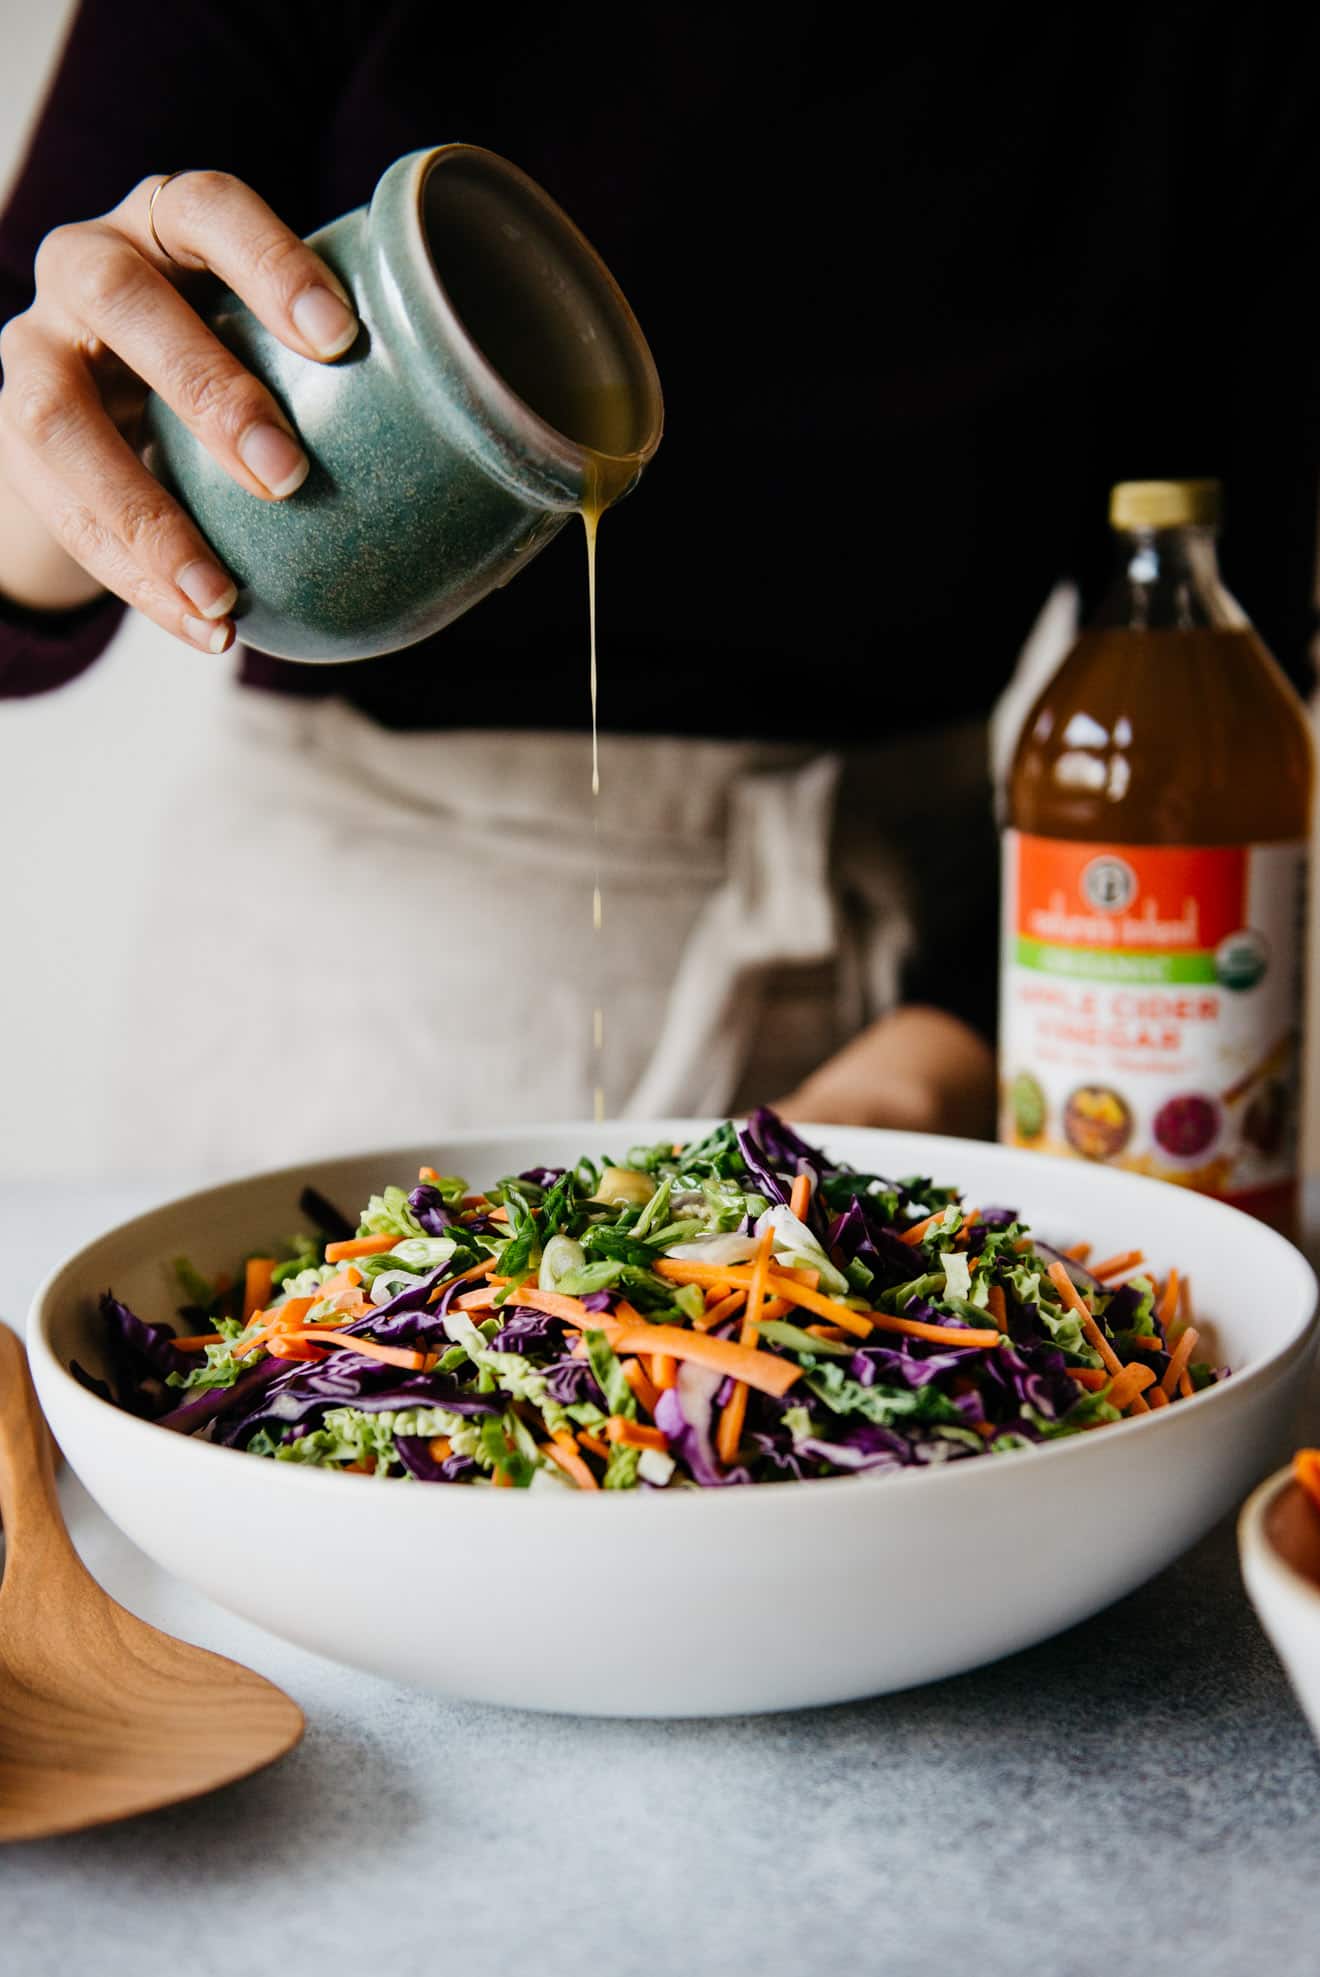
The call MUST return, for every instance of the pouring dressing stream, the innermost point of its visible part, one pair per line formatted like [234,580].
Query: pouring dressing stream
[607,478]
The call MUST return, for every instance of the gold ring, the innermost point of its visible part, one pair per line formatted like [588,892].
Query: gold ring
[168,179]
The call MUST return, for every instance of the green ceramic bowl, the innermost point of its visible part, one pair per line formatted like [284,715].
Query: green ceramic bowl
[497,358]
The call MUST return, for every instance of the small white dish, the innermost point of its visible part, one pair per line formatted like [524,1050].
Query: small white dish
[691,1603]
[1280,1553]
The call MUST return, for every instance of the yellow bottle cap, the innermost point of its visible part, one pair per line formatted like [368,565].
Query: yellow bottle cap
[1165,504]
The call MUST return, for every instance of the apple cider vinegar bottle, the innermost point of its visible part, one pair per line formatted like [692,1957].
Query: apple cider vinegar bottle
[1159,812]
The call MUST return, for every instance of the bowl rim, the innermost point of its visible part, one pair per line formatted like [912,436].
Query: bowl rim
[1257,1550]
[1079,1449]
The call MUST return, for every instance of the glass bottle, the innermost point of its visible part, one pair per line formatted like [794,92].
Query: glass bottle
[1159,810]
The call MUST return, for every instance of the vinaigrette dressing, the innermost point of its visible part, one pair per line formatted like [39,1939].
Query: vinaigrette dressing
[607,477]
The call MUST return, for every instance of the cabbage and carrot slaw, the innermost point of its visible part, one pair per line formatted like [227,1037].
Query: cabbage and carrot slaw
[739,1310]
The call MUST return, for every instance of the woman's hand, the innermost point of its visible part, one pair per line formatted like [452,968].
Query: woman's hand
[78,510]
[919,1068]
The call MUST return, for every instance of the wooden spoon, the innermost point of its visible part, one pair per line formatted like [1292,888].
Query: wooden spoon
[100,1715]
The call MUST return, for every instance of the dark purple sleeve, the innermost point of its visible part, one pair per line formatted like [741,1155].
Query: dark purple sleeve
[40,650]
[231,85]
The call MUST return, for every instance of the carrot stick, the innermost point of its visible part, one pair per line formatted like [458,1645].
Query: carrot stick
[257,1274]
[388,1355]
[717,1313]
[337,1252]
[427,1174]
[571,1463]
[757,1292]
[572,1309]
[284,1345]
[1158,1398]
[1174,1328]
[463,1277]
[1091,1377]
[811,1299]
[647,1393]
[716,1293]
[998,1307]
[681,1270]
[198,1342]
[1185,1387]
[799,1200]
[1306,1469]
[283,1342]
[500,1214]
[1129,1385]
[440,1448]
[664,1371]
[831,1332]
[1067,1290]
[920,1229]
[594,1443]
[1168,1303]
[862,1325]
[289,1314]
[1178,1361]
[1114,1266]
[729,1433]
[633,1434]
[502,1479]
[764,1371]
[1078,1253]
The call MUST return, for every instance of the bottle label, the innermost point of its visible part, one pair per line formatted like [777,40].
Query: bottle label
[1150,1009]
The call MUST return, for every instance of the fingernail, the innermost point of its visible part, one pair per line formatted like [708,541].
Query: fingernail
[277,460]
[211,638]
[206,586]
[325,321]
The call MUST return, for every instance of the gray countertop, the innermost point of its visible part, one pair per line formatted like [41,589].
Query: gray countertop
[1139,1795]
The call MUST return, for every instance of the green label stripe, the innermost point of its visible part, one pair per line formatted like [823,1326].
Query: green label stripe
[1114,964]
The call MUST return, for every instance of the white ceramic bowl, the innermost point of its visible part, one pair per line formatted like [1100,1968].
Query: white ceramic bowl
[691,1603]
[1286,1598]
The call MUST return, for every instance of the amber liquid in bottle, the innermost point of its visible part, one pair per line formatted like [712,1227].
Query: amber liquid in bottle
[1167,725]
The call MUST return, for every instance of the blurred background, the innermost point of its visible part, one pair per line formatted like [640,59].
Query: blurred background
[90,774]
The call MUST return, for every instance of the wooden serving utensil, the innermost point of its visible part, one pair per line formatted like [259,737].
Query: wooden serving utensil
[101,1716]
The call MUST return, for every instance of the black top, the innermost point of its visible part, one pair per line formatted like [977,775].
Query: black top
[917,295]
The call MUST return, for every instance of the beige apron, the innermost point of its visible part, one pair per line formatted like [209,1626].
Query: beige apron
[360,937]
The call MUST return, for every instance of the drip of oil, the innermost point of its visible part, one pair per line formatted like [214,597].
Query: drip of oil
[605,478]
